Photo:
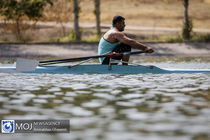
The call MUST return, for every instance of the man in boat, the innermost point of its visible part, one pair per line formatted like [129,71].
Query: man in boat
[115,40]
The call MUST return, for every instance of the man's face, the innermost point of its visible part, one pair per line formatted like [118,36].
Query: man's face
[121,25]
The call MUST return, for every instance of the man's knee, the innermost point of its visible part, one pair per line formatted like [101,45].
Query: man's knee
[122,48]
[126,48]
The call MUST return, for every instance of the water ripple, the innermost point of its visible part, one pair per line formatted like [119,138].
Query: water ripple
[148,106]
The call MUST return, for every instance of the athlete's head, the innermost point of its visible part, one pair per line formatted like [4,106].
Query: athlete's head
[118,22]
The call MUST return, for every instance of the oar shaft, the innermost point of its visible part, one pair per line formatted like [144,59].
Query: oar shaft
[72,59]
[111,55]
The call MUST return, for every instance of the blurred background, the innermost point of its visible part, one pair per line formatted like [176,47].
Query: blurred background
[108,107]
[87,20]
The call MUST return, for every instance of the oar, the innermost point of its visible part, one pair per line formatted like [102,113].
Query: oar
[111,55]
[30,65]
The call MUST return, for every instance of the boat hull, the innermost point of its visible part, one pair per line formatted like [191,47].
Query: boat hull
[105,69]
[100,69]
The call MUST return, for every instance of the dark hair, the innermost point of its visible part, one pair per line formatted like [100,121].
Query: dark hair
[117,19]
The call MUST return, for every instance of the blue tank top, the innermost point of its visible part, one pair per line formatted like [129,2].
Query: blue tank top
[105,47]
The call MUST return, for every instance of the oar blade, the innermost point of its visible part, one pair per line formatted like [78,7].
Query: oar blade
[23,65]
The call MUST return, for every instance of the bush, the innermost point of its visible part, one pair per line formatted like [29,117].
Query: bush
[16,10]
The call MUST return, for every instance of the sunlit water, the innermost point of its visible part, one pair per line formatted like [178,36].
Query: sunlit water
[112,107]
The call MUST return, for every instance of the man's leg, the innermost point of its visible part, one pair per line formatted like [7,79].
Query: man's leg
[121,48]
[106,61]
[125,58]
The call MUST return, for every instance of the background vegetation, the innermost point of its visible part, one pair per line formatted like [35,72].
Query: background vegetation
[56,22]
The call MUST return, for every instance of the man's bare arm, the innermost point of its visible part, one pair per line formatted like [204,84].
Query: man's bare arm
[131,42]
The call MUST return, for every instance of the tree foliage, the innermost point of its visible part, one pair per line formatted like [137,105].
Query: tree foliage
[15,10]
[61,12]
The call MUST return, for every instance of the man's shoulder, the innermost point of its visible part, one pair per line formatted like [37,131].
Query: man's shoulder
[118,34]
[113,35]
[114,32]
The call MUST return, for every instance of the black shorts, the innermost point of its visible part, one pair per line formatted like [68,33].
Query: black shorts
[118,49]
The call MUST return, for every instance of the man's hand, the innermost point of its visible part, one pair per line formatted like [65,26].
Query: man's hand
[149,50]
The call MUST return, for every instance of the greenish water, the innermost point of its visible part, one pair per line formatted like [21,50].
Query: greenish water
[111,107]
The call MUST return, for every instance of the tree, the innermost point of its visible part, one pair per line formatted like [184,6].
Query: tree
[97,14]
[59,12]
[187,23]
[15,10]
[76,20]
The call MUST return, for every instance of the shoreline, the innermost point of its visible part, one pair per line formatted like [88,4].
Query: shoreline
[79,49]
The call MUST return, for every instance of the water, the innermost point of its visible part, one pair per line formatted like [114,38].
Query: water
[125,107]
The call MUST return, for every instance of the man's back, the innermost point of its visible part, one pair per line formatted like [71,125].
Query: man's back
[110,35]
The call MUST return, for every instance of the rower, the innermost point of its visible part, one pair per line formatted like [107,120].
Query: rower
[115,40]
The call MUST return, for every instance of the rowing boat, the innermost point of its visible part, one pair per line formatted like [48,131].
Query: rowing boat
[33,66]
[104,69]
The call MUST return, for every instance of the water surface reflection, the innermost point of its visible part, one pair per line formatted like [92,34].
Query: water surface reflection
[147,106]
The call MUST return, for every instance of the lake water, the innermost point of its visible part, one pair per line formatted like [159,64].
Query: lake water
[113,107]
